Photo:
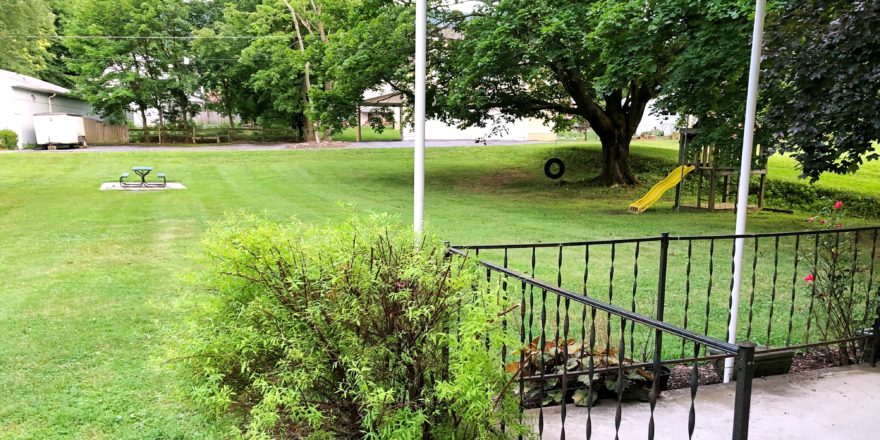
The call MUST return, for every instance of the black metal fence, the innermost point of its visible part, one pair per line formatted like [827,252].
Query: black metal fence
[623,319]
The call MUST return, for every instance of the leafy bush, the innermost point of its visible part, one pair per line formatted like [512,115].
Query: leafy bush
[840,282]
[802,196]
[8,139]
[346,331]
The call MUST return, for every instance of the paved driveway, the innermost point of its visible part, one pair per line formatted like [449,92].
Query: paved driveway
[284,146]
[454,143]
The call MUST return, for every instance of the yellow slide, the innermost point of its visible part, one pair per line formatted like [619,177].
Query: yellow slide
[666,184]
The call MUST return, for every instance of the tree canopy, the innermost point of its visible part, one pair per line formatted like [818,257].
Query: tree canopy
[306,64]
[819,85]
[26,31]
[601,60]
[147,68]
[822,84]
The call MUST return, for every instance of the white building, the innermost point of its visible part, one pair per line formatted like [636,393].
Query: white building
[22,96]
[204,118]
[524,129]
[652,121]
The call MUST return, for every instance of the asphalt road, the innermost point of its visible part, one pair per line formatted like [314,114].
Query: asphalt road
[281,146]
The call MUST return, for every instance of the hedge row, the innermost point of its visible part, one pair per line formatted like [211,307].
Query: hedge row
[809,198]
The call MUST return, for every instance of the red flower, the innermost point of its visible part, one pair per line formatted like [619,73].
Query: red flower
[838,205]
[839,225]
[809,278]
[823,221]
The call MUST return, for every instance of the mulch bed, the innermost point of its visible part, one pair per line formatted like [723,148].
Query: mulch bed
[815,359]
[680,376]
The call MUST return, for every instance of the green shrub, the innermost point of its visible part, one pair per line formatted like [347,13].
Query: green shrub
[346,331]
[806,197]
[8,139]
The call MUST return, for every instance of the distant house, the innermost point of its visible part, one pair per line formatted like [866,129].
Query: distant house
[522,129]
[654,121]
[205,117]
[22,96]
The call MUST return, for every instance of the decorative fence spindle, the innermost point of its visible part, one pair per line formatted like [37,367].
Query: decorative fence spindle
[608,353]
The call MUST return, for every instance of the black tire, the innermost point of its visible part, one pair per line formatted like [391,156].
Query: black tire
[548,168]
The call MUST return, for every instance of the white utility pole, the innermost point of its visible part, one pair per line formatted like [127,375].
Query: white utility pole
[745,172]
[419,116]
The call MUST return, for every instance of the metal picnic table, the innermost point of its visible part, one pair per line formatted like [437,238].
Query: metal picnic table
[142,172]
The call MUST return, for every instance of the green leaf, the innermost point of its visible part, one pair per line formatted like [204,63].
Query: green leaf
[584,397]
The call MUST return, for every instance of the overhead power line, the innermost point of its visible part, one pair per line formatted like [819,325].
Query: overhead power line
[177,60]
[136,37]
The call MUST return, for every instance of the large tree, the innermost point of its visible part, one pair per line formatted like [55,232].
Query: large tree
[133,55]
[819,85]
[26,31]
[57,71]
[371,48]
[602,60]
[275,44]
[822,83]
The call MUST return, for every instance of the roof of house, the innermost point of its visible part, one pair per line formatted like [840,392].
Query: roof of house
[24,82]
[393,99]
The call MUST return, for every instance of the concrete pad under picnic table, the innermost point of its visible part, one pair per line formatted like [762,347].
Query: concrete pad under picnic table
[833,403]
[115,186]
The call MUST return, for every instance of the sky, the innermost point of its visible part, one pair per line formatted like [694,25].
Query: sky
[464,6]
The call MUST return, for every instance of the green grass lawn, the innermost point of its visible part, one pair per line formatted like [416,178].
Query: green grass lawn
[368,134]
[93,280]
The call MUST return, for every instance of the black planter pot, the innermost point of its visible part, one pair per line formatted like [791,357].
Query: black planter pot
[662,377]
[867,344]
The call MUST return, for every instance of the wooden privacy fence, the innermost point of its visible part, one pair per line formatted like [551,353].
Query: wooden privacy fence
[99,132]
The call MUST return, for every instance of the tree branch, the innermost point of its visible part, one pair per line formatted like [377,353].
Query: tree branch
[574,85]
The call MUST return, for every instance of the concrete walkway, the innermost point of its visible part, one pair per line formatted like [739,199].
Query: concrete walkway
[837,403]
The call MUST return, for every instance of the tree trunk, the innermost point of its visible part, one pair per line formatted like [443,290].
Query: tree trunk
[615,160]
[185,110]
[227,104]
[309,127]
[146,127]
[614,119]
[161,122]
[311,130]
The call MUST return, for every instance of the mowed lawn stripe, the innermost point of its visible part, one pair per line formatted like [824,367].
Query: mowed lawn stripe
[92,279]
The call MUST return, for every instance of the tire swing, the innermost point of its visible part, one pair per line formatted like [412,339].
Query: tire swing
[554,168]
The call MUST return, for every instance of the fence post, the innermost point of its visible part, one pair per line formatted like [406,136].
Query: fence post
[745,370]
[875,340]
[661,285]
[658,334]
[661,298]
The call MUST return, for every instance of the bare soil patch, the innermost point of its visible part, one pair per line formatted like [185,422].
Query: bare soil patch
[812,360]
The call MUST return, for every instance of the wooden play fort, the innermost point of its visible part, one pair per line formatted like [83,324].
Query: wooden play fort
[715,184]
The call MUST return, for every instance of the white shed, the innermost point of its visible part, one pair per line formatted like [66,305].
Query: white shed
[23,96]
